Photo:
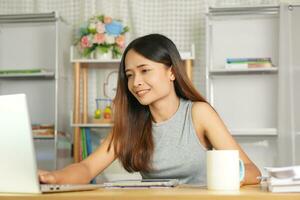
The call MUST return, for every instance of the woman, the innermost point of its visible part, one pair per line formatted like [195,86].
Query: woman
[162,125]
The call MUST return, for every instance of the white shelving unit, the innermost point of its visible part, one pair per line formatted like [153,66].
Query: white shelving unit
[38,41]
[246,99]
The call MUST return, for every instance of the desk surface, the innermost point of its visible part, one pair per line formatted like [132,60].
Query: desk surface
[178,193]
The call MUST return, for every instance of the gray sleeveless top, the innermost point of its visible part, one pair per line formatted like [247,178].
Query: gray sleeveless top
[178,152]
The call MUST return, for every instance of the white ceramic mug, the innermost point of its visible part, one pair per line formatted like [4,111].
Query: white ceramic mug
[224,170]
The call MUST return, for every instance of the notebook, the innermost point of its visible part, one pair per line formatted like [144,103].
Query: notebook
[18,169]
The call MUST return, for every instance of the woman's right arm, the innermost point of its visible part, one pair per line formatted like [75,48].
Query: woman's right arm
[84,171]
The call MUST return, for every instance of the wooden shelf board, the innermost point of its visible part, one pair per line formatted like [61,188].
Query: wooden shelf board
[91,125]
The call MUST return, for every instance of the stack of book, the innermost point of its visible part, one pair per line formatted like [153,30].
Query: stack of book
[283,179]
[245,63]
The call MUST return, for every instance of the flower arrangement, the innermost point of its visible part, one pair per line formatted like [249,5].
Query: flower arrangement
[102,34]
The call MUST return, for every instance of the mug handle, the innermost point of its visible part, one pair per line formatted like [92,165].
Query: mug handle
[242,170]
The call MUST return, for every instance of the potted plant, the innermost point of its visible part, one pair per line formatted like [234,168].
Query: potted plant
[103,37]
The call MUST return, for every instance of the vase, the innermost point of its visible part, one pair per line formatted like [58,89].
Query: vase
[99,55]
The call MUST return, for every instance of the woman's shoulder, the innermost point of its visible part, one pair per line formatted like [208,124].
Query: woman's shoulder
[201,107]
[202,111]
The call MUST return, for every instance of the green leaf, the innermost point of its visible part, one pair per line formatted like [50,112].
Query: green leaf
[86,52]
[103,48]
[125,30]
[100,18]
[116,52]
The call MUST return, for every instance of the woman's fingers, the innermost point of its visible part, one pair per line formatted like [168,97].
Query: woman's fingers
[46,177]
[41,172]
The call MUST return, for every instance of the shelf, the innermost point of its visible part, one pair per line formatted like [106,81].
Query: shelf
[183,55]
[29,75]
[95,61]
[243,71]
[29,18]
[254,132]
[46,137]
[90,125]
[243,10]
[75,57]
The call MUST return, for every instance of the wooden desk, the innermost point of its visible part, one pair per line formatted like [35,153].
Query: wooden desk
[178,193]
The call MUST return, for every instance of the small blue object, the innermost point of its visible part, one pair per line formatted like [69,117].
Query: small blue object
[115,28]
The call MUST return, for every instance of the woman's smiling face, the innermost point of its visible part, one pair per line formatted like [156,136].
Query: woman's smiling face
[148,80]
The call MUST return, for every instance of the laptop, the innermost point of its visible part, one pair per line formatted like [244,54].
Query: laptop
[18,168]
[142,183]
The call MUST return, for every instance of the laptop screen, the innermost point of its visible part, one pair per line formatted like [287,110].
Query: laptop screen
[18,170]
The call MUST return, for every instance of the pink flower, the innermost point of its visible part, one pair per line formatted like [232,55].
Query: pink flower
[100,27]
[99,38]
[85,42]
[107,20]
[120,40]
